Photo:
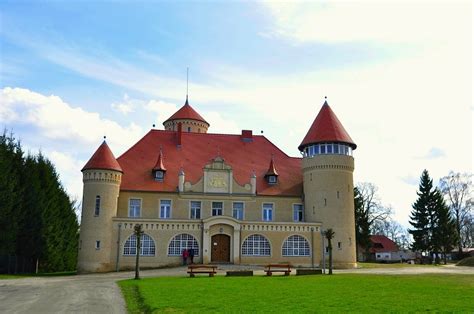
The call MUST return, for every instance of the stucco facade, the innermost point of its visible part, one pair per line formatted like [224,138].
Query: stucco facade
[218,199]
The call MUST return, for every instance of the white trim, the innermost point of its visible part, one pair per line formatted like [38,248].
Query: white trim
[122,247]
[159,208]
[222,208]
[293,211]
[243,210]
[200,209]
[300,235]
[273,211]
[141,207]
[246,255]
[175,235]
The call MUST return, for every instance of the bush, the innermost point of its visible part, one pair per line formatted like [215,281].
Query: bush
[468,261]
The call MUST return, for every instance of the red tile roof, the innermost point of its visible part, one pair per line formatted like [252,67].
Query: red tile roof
[103,159]
[197,150]
[186,112]
[326,128]
[381,243]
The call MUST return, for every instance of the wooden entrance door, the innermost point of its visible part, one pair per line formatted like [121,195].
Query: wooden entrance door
[220,251]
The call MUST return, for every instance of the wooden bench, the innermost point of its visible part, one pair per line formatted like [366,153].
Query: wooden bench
[278,268]
[202,269]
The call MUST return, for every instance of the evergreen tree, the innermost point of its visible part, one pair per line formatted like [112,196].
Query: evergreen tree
[421,215]
[362,224]
[445,235]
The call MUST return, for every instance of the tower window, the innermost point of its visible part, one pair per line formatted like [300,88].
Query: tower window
[189,129]
[97,245]
[325,202]
[97,206]
[337,194]
[339,245]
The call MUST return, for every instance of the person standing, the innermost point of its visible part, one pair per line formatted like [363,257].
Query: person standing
[185,256]
[191,255]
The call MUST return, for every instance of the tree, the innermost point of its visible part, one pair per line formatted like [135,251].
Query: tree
[395,231]
[445,235]
[329,234]
[362,224]
[458,190]
[372,207]
[138,232]
[421,215]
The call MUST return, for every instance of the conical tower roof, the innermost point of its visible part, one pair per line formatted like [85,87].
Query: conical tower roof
[186,113]
[103,159]
[326,128]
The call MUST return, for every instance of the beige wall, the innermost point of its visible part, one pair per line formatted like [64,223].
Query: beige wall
[329,199]
[196,126]
[97,228]
[282,209]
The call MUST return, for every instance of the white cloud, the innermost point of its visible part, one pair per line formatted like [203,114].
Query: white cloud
[124,107]
[68,168]
[163,109]
[56,119]
[370,21]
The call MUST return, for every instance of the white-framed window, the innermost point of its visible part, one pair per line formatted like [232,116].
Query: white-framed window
[267,211]
[217,208]
[195,210]
[147,246]
[97,245]
[134,207]
[295,245]
[181,242]
[297,212]
[256,245]
[159,175]
[165,209]
[97,206]
[272,179]
[238,210]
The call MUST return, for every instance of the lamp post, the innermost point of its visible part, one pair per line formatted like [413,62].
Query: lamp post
[322,251]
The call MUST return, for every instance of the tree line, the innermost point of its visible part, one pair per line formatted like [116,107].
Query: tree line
[441,217]
[37,218]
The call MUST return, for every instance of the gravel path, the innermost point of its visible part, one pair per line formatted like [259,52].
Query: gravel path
[99,293]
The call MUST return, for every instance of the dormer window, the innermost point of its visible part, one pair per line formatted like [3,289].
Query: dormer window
[272,179]
[159,175]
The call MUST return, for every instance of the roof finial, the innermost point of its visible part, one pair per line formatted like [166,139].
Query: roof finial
[187,83]
[105,137]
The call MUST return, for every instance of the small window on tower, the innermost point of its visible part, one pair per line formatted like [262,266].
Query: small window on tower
[97,245]
[189,129]
[339,245]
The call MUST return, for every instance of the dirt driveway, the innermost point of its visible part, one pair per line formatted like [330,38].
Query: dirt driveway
[99,293]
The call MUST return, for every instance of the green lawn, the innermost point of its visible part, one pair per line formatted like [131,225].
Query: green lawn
[279,294]
[393,265]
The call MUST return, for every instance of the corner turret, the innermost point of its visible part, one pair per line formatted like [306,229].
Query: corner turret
[328,183]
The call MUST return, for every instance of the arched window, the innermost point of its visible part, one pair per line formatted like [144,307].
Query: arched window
[256,245]
[295,245]
[147,246]
[181,242]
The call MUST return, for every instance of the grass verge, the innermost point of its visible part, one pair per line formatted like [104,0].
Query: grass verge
[302,294]
[18,276]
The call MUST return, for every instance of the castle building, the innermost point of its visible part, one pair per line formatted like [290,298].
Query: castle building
[232,198]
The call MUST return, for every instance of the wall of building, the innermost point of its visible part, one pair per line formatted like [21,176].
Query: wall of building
[329,199]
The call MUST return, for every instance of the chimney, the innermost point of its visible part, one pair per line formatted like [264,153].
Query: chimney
[246,136]
[179,134]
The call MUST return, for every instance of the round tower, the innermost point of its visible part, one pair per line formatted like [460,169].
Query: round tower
[328,183]
[101,177]
[190,120]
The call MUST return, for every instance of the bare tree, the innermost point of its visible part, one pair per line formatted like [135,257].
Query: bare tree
[394,231]
[372,207]
[457,190]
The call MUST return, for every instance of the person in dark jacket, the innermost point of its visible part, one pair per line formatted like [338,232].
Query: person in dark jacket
[191,255]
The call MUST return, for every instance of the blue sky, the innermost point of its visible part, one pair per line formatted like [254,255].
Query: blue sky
[397,74]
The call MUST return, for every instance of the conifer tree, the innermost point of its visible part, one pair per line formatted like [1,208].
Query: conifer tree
[421,215]
[445,236]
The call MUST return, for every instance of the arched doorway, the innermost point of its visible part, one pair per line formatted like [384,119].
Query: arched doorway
[220,248]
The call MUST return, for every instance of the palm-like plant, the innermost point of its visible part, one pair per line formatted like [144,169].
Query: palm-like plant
[329,234]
